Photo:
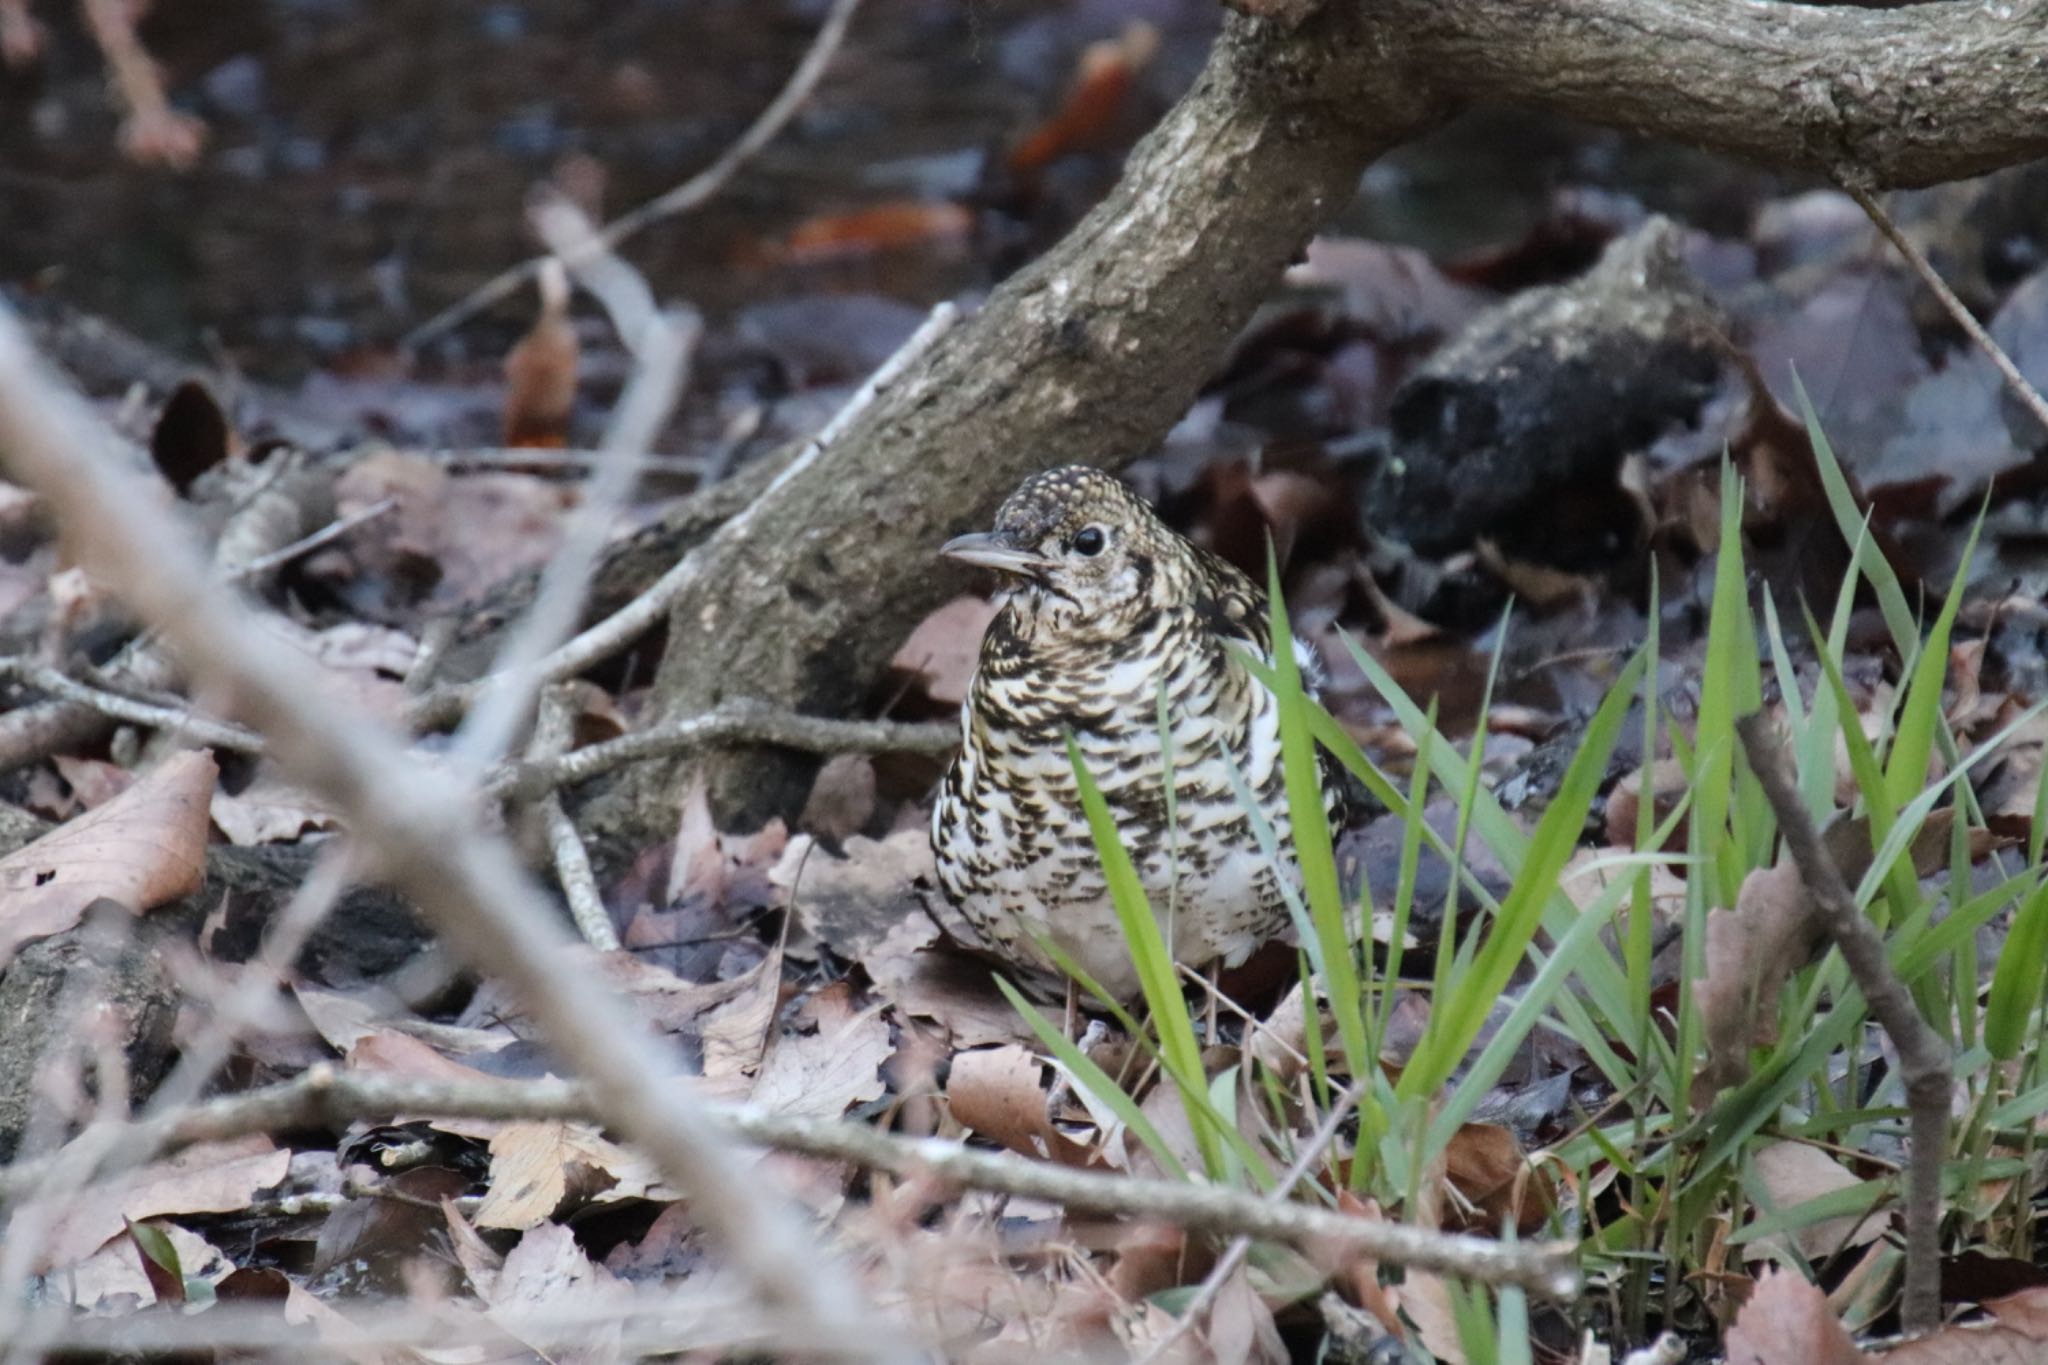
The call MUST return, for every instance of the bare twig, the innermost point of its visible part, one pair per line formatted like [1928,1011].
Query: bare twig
[1924,1062]
[684,197]
[305,545]
[421,829]
[325,1094]
[183,723]
[572,861]
[734,723]
[619,630]
[2015,382]
[567,461]
[662,343]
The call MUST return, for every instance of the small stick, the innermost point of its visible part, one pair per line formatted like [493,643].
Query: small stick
[551,737]
[568,461]
[1924,1062]
[2029,396]
[732,723]
[198,729]
[332,531]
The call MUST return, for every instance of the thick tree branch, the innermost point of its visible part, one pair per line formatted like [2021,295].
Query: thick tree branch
[1883,97]
[1090,354]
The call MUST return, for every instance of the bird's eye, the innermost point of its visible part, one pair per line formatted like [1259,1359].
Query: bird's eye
[1090,540]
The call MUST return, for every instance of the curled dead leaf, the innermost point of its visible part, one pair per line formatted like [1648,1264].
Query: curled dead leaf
[1000,1093]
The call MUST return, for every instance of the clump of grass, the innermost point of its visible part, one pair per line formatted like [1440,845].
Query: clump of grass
[1663,1179]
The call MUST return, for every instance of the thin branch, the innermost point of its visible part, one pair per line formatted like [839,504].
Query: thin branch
[305,545]
[567,461]
[572,861]
[618,631]
[2017,383]
[684,197]
[1924,1062]
[421,829]
[325,1094]
[183,723]
[733,723]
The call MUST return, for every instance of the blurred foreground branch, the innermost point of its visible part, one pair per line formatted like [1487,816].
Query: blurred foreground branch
[419,830]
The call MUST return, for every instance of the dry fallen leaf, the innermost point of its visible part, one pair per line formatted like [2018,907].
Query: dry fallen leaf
[1787,1322]
[825,1072]
[1750,951]
[1493,1182]
[93,781]
[143,848]
[868,908]
[540,371]
[998,1092]
[735,1034]
[269,810]
[212,1177]
[1794,1172]
[943,650]
[536,1164]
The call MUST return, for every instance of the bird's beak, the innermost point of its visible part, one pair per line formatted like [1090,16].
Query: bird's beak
[991,552]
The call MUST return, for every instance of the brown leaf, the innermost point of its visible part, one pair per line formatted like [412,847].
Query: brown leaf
[548,1269]
[212,1177]
[2025,1312]
[1102,81]
[1750,951]
[1241,1326]
[893,225]
[537,1164]
[1969,1344]
[869,907]
[540,372]
[1794,1172]
[143,848]
[825,1072]
[1668,783]
[998,1092]
[93,781]
[1787,1322]
[735,1034]
[191,436]
[269,810]
[943,650]
[1494,1182]
[842,799]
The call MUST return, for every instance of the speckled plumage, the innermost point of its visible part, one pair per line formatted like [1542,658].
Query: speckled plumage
[1083,643]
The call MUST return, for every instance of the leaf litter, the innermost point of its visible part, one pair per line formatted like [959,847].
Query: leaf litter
[809,971]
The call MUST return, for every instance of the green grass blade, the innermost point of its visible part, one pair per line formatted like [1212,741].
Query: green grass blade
[1180,1053]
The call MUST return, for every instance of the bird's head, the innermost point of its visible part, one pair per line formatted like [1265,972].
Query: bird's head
[1077,552]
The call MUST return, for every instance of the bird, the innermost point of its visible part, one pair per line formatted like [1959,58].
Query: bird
[1102,608]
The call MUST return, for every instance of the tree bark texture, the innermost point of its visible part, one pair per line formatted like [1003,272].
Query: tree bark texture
[1090,354]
